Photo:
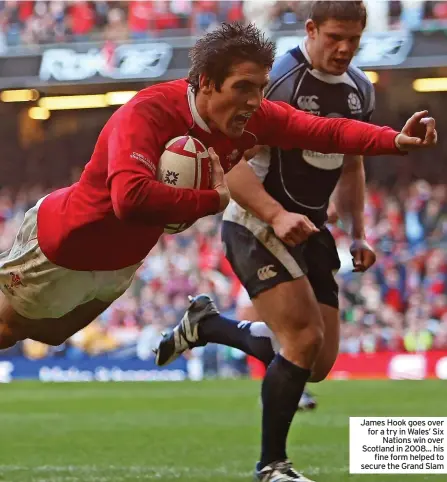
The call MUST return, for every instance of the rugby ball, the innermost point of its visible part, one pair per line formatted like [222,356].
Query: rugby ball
[184,163]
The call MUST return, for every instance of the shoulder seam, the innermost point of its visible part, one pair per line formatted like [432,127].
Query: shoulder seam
[281,79]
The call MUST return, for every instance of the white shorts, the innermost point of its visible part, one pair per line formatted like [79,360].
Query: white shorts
[37,288]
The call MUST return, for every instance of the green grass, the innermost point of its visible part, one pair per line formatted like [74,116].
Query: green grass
[187,431]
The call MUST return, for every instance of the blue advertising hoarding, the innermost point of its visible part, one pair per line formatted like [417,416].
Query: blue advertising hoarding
[101,369]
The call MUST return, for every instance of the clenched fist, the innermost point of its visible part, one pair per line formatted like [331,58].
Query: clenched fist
[293,228]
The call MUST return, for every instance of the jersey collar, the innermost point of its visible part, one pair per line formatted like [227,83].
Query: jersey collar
[194,112]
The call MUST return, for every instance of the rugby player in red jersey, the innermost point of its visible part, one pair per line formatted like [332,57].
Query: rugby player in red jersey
[79,248]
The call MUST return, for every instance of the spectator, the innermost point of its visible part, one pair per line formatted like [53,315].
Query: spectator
[140,13]
[82,20]
[183,10]
[11,22]
[116,28]
[204,16]
[164,19]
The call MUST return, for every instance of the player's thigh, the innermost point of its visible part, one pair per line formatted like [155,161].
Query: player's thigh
[290,309]
[52,331]
[274,277]
[329,350]
[322,262]
[247,313]
[245,309]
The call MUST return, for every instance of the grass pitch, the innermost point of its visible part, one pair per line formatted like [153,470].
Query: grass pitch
[203,431]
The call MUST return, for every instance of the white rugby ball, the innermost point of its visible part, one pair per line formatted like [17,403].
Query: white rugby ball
[185,163]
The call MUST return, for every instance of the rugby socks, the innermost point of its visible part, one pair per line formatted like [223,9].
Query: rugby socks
[255,339]
[282,389]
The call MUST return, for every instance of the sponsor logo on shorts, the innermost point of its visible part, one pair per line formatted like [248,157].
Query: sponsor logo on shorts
[16,281]
[267,272]
[139,157]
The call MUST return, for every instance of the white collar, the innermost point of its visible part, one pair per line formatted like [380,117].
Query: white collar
[194,112]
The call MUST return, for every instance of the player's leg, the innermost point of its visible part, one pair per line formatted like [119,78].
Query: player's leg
[202,323]
[322,263]
[51,331]
[274,276]
[46,302]
[245,310]
[291,311]
[283,298]
[329,351]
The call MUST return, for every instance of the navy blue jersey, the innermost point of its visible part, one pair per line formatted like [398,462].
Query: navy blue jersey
[303,181]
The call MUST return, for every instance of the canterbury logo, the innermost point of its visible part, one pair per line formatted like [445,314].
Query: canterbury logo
[267,272]
[308,102]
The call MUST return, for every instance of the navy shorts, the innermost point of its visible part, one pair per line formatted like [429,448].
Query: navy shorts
[262,261]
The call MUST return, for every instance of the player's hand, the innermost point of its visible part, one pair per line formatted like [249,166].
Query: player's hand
[418,132]
[332,215]
[363,256]
[293,228]
[218,180]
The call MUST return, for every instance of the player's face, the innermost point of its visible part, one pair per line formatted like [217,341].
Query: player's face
[240,95]
[333,44]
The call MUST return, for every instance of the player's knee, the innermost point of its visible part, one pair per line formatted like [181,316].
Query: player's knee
[303,341]
[312,339]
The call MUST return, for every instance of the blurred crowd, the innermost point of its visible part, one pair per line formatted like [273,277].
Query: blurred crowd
[39,22]
[400,304]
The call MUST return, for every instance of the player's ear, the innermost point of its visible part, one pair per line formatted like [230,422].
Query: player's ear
[311,28]
[205,84]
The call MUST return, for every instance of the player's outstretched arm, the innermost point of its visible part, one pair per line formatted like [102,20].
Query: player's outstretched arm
[349,200]
[283,126]
[349,196]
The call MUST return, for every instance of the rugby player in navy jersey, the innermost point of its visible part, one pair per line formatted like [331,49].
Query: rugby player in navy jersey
[275,235]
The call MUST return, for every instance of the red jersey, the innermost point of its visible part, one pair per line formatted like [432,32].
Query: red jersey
[115,214]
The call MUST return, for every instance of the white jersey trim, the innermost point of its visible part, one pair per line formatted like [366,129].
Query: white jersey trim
[194,112]
[265,235]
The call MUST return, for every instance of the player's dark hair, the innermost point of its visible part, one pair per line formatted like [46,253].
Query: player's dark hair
[348,10]
[218,51]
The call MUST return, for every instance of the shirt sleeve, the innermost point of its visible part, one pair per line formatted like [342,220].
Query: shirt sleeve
[281,125]
[135,144]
